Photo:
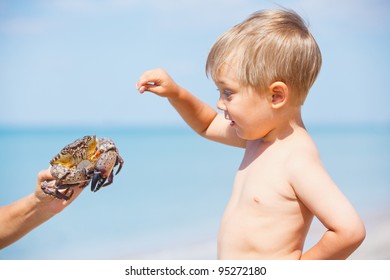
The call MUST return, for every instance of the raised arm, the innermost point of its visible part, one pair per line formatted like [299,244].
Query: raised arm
[201,117]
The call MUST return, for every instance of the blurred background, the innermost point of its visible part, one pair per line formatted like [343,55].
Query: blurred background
[68,68]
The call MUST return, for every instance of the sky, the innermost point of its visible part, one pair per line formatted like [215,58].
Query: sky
[76,62]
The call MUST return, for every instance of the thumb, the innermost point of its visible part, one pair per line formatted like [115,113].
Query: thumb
[143,86]
[44,175]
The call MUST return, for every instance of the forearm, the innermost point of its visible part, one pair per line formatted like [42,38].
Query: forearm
[197,114]
[333,246]
[19,218]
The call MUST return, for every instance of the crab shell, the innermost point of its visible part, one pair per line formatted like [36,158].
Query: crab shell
[74,153]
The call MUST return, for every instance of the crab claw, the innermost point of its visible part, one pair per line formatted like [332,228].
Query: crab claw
[97,181]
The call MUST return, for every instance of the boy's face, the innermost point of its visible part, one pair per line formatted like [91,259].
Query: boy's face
[249,111]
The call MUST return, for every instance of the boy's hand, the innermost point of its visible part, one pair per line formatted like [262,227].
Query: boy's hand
[158,82]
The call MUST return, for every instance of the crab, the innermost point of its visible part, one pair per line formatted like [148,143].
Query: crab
[77,164]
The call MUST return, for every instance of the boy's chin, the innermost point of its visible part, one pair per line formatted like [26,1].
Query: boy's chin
[248,136]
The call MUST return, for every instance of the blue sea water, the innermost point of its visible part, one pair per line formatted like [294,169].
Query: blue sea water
[172,189]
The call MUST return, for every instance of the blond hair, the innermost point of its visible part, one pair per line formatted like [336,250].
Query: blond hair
[267,47]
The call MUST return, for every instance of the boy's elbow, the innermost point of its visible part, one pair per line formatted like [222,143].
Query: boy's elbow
[355,234]
[360,234]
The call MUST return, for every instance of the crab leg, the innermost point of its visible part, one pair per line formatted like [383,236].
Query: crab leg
[120,161]
[53,191]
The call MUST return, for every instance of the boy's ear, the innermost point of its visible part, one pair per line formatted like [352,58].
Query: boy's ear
[279,94]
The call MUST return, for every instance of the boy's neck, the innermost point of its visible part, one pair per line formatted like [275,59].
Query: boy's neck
[285,124]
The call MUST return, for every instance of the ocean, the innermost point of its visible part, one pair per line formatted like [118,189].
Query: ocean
[170,195]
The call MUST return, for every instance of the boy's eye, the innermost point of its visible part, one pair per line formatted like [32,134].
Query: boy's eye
[226,93]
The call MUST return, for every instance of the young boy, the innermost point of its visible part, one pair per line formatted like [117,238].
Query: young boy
[264,68]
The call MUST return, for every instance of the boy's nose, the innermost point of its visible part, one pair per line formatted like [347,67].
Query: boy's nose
[221,105]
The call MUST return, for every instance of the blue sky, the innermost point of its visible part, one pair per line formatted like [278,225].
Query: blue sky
[75,63]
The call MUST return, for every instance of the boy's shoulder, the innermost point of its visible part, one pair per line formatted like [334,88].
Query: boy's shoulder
[302,162]
[302,150]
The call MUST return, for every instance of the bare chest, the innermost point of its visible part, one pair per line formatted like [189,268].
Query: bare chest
[261,182]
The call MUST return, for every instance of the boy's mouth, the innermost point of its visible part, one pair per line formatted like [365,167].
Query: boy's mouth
[232,123]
